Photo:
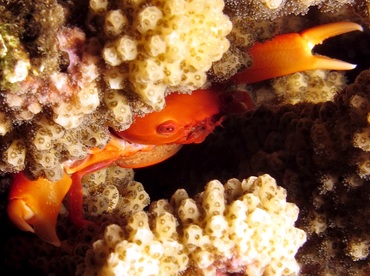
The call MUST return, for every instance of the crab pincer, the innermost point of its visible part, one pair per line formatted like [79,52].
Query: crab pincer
[34,205]
[289,53]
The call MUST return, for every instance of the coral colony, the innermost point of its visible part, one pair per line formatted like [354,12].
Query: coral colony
[281,188]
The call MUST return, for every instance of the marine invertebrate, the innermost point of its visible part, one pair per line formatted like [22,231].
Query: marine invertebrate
[274,52]
[164,128]
[162,46]
[311,86]
[27,42]
[43,145]
[192,128]
[30,205]
[113,192]
[272,9]
[54,106]
[74,94]
[15,62]
[240,227]
[70,97]
[64,90]
[27,66]
[318,151]
[180,124]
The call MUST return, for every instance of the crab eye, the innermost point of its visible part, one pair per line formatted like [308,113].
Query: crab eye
[167,127]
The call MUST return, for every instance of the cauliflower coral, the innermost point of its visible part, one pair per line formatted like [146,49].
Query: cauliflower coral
[120,59]
[155,47]
[69,80]
[243,226]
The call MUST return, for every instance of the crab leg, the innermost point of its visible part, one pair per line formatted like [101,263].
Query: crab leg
[289,53]
[75,193]
[133,156]
[34,205]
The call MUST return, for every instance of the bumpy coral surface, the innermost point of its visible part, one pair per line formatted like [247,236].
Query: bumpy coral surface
[154,47]
[313,86]
[238,227]
[69,70]
[113,190]
[122,62]
[49,91]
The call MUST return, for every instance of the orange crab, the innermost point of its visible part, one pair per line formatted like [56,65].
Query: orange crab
[34,205]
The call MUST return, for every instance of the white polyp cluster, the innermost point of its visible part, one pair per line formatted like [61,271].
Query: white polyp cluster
[110,55]
[160,207]
[164,226]
[5,124]
[165,46]
[112,190]
[240,227]
[363,164]
[313,86]
[358,248]
[318,223]
[115,22]
[213,199]
[147,19]
[70,114]
[126,48]
[272,4]
[15,60]
[99,6]
[15,155]
[105,202]
[361,139]
[49,140]
[188,211]
[19,72]
[120,110]
[134,198]
[122,50]
[136,250]
[255,229]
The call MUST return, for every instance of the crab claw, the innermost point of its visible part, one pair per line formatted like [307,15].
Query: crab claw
[289,53]
[34,205]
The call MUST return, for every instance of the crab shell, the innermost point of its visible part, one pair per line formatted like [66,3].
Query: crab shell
[187,118]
